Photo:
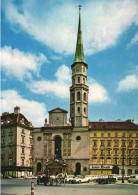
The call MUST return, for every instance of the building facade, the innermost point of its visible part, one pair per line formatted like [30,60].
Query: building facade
[16,144]
[113,147]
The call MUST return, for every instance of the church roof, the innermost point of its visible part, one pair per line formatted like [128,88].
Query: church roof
[128,125]
[79,54]
[58,110]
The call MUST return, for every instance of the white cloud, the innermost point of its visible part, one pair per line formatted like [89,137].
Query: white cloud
[56,25]
[58,88]
[134,40]
[129,83]
[97,93]
[20,64]
[32,110]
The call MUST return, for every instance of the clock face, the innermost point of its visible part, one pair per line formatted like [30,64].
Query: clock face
[78,68]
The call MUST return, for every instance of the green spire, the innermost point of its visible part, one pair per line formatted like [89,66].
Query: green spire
[79,54]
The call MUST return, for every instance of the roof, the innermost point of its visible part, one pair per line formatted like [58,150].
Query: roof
[58,110]
[10,119]
[113,125]
[79,54]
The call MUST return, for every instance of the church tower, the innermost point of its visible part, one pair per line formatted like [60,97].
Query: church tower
[79,89]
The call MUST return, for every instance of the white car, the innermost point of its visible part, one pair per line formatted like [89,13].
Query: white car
[92,177]
[69,178]
[80,179]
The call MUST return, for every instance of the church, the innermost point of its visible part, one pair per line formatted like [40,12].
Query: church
[75,147]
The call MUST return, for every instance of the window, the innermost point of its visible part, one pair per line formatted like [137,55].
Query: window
[115,152]
[136,143]
[123,134]
[78,95]
[129,161]
[123,143]
[108,143]
[23,139]
[108,153]
[73,81]
[115,161]
[22,161]
[102,134]
[78,138]
[83,69]
[116,143]
[39,138]
[129,152]
[78,79]
[102,143]
[10,139]
[136,134]
[95,134]
[130,134]
[84,96]
[85,110]
[10,161]
[72,96]
[109,134]
[130,144]
[22,150]
[94,152]
[116,134]
[84,168]
[78,109]
[137,161]
[102,152]
[95,143]
[83,80]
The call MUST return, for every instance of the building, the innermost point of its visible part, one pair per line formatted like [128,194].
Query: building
[59,146]
[16,144]
[113,147]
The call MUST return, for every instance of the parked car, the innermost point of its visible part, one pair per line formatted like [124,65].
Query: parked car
[80,179]
[106,179]
[8,177]
[69,178]
[133,179]
[92,177]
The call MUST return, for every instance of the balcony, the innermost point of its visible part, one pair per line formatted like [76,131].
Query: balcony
[22,155]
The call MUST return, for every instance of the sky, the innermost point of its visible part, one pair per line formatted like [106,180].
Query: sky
[37,50]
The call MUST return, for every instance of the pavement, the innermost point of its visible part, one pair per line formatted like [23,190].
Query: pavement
[23,187]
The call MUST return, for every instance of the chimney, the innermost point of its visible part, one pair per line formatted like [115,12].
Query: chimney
[16,110]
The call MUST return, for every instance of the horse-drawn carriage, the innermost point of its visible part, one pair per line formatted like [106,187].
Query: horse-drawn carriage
[50,180]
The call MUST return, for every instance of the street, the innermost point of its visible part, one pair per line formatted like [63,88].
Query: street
[23,187]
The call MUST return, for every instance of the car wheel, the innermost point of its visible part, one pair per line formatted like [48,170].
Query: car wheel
[88,181]
[79,181]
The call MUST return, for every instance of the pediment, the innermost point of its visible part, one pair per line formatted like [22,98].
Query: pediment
[57,110]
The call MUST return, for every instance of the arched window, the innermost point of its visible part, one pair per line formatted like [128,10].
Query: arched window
[84,96]
[78,79]
[83,80]
[78,95]
[79,109]
[72,96]
[73,81]
[85,110]
[58,147]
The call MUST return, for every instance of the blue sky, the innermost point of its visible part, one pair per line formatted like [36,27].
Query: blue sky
[37,50]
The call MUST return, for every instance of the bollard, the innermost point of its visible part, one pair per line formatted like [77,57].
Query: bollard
[32,188]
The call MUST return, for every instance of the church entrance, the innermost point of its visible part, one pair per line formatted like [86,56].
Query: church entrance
[38,167]
[78,169]
[58,147]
